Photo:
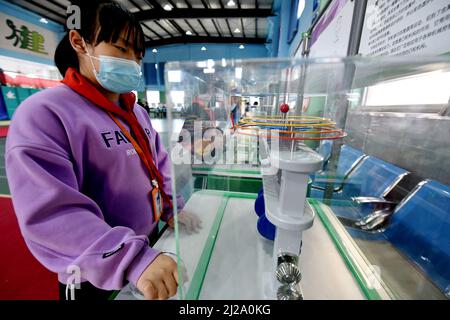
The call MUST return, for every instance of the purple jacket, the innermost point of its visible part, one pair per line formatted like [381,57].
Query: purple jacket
[79,189]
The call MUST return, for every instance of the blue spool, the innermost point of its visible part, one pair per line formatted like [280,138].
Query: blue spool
[261,192]
[266,228]
[259,205]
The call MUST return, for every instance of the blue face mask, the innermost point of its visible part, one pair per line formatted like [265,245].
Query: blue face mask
[118,75]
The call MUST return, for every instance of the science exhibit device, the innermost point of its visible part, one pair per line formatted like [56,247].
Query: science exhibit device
[286,164]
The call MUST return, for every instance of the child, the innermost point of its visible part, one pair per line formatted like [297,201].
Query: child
[87,170]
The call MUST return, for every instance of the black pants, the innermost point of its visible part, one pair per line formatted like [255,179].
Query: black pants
[89,292]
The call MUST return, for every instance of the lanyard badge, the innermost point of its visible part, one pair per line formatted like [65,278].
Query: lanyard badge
[156,198]
[157,201]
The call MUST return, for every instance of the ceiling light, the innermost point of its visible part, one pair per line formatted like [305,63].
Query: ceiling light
[241,47]
[154,51]
[203,48]
[43,20]
[237,30]
[209,70]
[189,33]
[231,3]
[167,7]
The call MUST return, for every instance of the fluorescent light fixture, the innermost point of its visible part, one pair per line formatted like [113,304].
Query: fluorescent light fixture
[210,63]
[203,48]
[238,73]
[189,33]
[202,64]
[231,3]
[155,51]
[209,70]
[241,47]
[237,30]
[425,89]
[167,7]
[43,20]
[300,8]
[174,76]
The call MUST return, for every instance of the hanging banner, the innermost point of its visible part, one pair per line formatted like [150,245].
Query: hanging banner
[413,27]
[27,38]
[24,81]
[331,34]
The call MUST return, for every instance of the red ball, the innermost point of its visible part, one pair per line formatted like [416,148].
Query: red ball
[284,108]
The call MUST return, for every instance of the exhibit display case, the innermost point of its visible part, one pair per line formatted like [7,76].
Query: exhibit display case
[331,186]
[312,178]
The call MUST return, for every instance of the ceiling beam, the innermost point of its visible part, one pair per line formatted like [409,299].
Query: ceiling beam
[195,39]
[190,27]
[189,5]
[153,3]
[205,4]
[177,26]
[173,4]
[242,21]
[164,29]
[217,29]
[256,20]
[143,24]
[173,23]
[57,4]
[157,14]
[151,30]
[135,4]
[203,27]
[208,6]
[226,20]
[229,28]
[45,8]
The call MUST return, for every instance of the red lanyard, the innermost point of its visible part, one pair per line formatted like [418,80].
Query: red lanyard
[79,84]
[149,163]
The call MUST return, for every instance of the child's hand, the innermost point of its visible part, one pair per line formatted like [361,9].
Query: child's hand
[160,279]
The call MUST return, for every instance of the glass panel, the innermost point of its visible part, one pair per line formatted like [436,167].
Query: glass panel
[314,179]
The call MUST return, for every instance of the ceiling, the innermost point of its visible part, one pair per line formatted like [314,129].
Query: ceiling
[187,21]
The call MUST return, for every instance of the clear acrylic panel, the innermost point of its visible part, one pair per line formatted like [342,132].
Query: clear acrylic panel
[312,179]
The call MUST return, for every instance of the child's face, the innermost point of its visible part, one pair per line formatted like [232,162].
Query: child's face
[119,49]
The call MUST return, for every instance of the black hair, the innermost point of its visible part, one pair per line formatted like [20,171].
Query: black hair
[101,20]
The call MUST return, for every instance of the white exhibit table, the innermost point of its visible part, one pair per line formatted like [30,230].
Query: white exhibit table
[229,259]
